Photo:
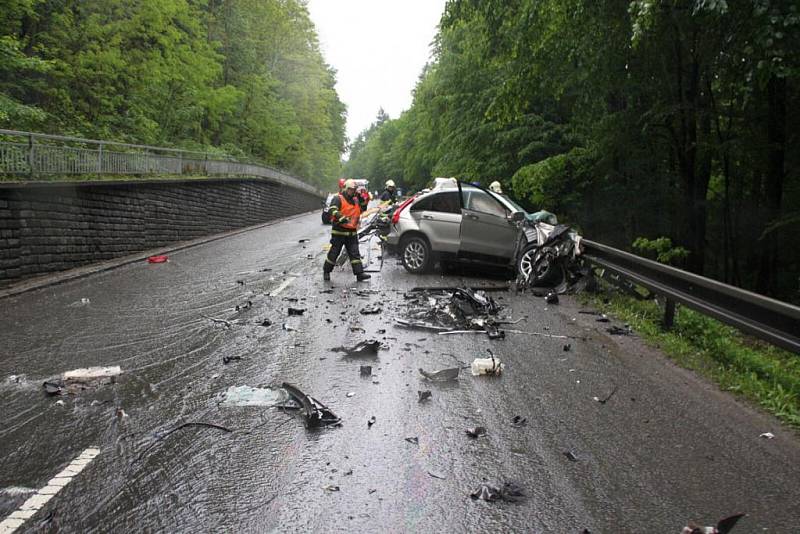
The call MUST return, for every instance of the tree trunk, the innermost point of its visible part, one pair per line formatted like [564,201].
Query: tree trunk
[766,281]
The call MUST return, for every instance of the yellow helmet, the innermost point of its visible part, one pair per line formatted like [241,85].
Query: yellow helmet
[350,184]
[495,186]
[389,183]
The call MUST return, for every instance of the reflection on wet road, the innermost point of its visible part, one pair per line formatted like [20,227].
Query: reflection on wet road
[663,449]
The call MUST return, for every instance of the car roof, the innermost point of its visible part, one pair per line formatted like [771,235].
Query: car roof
[451,184]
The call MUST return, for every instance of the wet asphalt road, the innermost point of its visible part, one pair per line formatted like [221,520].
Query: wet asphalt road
[665,448]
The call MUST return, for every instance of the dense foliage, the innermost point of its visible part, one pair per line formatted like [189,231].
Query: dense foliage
[245,77]
[643,118]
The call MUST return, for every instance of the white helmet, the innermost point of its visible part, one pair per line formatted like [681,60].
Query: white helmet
[389,183]
[495,186]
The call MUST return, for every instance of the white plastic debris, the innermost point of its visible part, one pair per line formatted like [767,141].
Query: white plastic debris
[486,366]
[767,435]
[92,373]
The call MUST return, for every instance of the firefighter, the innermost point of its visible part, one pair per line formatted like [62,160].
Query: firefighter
[345,212]
[389,195]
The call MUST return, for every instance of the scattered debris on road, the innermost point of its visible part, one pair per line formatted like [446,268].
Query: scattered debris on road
[424,395]
[724,526]
[365,370]
[296,311]
[509,492]
[246,306]
[551,297]
[223,322]
[570,456]
[443,375]
[414,440]
[617,331]
[371,310]
[331,487]
[157,259]
[519,421]
[767,435]
[228,359]
[487,366]
[434,474]
[78,380]
[367,348]
[316,413]
[606,398]
[475,432]
[371,421]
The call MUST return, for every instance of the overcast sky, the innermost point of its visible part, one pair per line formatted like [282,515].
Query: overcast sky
[378,48]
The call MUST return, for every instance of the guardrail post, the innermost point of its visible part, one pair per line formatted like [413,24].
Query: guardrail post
[669,314]
[100,158]
[180,162]
[31,156]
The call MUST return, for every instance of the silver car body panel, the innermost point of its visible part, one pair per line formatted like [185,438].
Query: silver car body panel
[483,226]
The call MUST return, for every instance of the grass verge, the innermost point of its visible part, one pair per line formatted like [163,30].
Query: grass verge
[757,371]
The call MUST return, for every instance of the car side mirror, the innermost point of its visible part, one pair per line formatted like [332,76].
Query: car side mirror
[517,216]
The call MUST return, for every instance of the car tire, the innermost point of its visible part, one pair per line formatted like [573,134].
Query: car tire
[416,254]
[547,273]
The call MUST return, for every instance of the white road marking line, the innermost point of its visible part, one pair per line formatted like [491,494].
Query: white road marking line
[281,287]
[35,503]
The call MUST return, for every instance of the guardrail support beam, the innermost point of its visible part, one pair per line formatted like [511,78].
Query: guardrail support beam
[669,314]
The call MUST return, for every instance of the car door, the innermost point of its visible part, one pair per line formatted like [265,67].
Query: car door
[439,218]
[486,229]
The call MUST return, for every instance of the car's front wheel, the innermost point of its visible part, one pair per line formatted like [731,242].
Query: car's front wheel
[416,254]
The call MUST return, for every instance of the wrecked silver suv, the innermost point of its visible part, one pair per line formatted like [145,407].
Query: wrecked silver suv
[457,222]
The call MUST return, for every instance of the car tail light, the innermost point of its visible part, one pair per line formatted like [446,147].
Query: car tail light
[401,207]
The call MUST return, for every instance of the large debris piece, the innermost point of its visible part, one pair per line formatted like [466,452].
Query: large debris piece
[453,310]
[316,413]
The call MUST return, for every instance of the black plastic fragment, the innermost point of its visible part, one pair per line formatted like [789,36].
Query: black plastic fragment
[366,370]
[228,359]
[316,413]
[570,456]
[53,388]
[367,348]
[509,492]
[424,395]
[519,421]
[475,432]
[551,297]
[296,311]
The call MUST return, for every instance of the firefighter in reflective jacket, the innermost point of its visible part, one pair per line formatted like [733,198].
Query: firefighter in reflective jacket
[345,212]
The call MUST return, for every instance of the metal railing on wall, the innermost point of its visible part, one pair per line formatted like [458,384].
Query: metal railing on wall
[35,156]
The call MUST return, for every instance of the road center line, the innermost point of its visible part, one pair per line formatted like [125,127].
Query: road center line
[41,497]
[281,287]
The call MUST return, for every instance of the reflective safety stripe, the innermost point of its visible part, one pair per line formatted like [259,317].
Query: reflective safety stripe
[329,261]
[355,261]
[342,232]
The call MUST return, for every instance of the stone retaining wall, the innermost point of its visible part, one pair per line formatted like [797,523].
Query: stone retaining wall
[53,227]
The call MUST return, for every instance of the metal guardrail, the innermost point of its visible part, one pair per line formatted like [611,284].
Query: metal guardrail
[32,154]
[768,319]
